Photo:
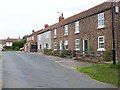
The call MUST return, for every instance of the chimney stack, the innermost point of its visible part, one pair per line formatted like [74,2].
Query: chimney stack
[46,25]
[33,31]
[61,17]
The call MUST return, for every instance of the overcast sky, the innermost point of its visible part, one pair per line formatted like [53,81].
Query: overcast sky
[20,17]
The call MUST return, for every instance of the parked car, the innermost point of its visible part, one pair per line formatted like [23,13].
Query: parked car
[2,49]
[22,49]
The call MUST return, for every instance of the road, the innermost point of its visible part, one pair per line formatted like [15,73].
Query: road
[25,70]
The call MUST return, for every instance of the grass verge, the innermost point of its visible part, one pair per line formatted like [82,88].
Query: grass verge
[108,73]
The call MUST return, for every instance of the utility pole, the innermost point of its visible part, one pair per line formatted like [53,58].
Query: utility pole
[113,36]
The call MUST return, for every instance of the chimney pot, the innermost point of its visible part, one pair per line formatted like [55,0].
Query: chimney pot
[33,31]
[46,25]
[61,17]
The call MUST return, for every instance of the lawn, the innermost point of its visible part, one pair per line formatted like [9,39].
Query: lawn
[107,73]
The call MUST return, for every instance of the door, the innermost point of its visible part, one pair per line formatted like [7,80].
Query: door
[85,46]
[61,45]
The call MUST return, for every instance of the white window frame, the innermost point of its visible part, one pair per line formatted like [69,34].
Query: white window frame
[101,18]
[101,49]
[55,33]
[66,30]
[32,37]
[66,43]
[77,43]
[77,25]
[55,45]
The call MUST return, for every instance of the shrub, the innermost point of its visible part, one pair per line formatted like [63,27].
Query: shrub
[65,53]
[48,51]
[107,55]
[18,44]
[55,53]
[62,53]
[16,48]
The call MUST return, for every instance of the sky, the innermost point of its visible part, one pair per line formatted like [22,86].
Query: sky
[20,17]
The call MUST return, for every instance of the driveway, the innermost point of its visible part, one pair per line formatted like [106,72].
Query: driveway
[25,70]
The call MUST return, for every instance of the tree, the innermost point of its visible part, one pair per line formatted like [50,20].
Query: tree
[18,44]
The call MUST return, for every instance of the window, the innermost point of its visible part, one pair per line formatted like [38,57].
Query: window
[66,45]
[32,38]
[77,27]
[55,33]
[47,35]
[40,37]
[47,45]
[27,39]
[40,46]
[55,45]
[66,29]
[101,20]
[101,43]
[77,44]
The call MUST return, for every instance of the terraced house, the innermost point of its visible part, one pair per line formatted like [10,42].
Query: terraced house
[44,38]
[96,29]
[89,30]
[31,42]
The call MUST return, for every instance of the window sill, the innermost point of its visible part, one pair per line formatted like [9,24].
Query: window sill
[100,49]
[66,35]
[55,36]
[100,27]
[77,49]
[66,49]
[55,49]
[77,32]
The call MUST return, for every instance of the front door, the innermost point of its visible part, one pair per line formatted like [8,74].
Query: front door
[61,45]
[85,46]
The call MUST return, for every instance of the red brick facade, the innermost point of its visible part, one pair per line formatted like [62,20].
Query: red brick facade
[31,44]
[94,31]
[88,29]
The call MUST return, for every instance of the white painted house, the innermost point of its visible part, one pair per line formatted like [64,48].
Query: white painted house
[44,39]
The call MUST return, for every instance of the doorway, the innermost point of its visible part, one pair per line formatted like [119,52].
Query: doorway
[85,46]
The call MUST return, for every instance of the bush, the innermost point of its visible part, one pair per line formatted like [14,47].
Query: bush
[65,53]
[107,55]
[48,51]
[62,53]
[18,44]
[55,52]
[16,48]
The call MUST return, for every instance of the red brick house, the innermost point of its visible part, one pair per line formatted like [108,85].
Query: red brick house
[31,42]
[88,30]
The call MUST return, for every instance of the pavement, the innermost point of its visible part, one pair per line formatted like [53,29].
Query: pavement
[69,63]
[31,70]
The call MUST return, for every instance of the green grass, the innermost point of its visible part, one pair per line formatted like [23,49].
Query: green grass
[107,73]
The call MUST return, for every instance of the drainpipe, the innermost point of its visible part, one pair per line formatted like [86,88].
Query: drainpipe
[113,36]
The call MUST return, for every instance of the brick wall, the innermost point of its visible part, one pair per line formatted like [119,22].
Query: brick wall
[88,28]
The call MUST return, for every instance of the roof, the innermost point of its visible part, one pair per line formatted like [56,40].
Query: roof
[11,39]
[2,41]
[98,8]
[81,15]
[44,30]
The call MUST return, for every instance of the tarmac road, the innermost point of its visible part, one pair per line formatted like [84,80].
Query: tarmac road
[25,70]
